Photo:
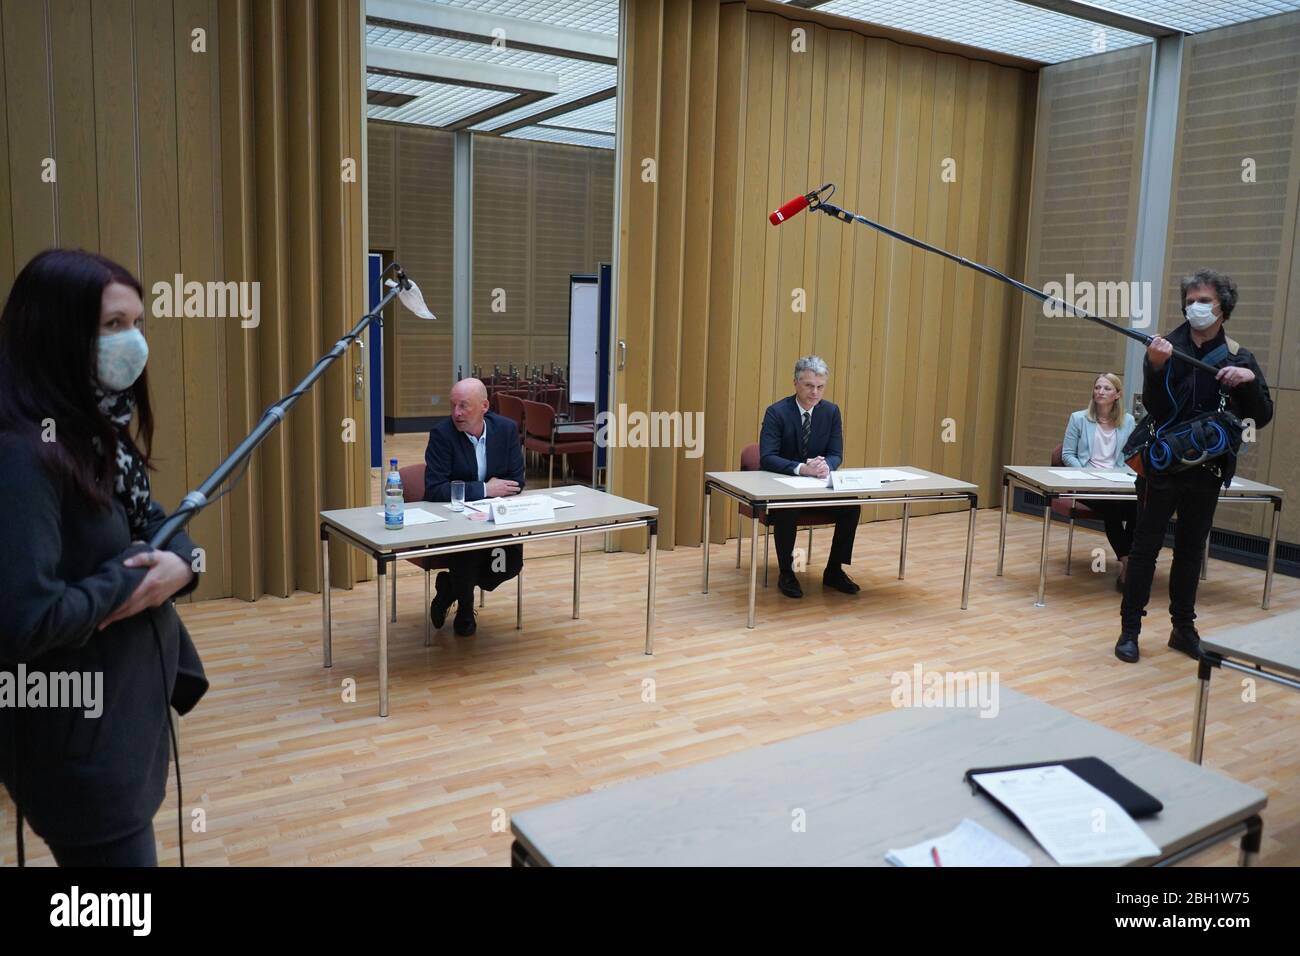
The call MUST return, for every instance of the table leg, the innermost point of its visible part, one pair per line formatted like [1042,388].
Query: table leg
[383,641]
[428,623]
[519,600]
[652,550]
[1272,553]
[1069,545]
[1199,711]
[1250,842]
[740,533]
[753,565]
[392,574]
[970,551]
[326,634]
[1042,554]
[577,573]
[1002,534]
[708,498]
[902,547]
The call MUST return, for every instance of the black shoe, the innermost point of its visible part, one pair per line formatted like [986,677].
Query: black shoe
[840,581]
[441,600]
[1186,639]
[464,624]
[1126,648]
[789,585]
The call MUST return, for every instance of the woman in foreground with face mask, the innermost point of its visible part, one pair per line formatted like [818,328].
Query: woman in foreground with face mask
[92,652]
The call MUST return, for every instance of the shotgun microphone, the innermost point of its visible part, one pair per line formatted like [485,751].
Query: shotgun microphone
[797,205]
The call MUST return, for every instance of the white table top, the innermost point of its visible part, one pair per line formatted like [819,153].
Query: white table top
[590,507]
[866,787]
[1273,643]
[764,486]
[1041,478]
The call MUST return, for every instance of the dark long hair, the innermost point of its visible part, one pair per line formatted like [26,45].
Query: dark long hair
[49,338]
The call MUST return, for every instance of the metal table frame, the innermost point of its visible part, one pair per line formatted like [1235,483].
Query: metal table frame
[760,507]
[1210,660]
[384,558]
[1011,481]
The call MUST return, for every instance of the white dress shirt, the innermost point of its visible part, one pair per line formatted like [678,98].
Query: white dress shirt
[480,451]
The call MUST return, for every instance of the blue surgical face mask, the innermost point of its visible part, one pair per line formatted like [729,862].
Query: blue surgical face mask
[121,359]
[1201,315]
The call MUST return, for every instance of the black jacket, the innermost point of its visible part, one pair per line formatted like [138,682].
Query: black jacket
[778,442]
[450,457]
[1179,391]
[85,780]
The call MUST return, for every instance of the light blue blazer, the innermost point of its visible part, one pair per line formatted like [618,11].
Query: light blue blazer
[1079,436]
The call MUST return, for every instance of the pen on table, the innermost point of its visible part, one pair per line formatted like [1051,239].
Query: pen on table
[934,854]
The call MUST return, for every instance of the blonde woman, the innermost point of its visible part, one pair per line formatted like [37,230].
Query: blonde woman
[1095,438]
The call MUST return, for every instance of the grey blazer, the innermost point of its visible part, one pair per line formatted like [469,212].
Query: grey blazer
[1081,433]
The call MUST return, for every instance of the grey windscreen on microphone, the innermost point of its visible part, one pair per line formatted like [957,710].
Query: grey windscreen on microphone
[413,299]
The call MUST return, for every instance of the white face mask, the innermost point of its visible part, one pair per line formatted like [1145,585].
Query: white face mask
[1201,315]
[121,359]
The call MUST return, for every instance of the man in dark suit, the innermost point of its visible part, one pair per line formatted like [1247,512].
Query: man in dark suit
[481,449]
[803,435]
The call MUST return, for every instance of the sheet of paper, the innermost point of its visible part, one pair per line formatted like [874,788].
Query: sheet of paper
[554,502]
[566,494]
[416,516]
[968,845]
[483,504]
[1073,475]
[882,474]
[1071,819]
[803,481]
[854,481]
[1122,477]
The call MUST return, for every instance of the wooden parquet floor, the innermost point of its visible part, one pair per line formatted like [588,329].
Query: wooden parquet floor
[287,773]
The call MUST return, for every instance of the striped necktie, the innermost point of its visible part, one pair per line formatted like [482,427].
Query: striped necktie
[804,432]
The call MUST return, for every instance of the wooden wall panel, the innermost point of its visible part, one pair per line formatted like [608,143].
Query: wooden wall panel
[199,249]
[540,212]
[909,340]
[214,157]
[1090,134]
[726,271]
[30,136]
[380,190]
[72,74]
[423,372]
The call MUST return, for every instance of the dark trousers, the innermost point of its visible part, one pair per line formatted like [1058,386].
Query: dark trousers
[136,849]
[1120,518]
[483,569]
[785,525]
[1192,496]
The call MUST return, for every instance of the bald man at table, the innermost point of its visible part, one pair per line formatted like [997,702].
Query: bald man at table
[480,448]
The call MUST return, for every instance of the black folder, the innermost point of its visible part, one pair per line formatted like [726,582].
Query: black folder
[1136,802]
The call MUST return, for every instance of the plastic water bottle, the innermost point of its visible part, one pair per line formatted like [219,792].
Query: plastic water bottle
[394,498]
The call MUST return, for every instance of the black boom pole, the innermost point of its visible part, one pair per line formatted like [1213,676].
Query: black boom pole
[845,216]
[197,500]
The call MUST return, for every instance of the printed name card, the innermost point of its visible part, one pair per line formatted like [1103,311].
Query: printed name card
[517,509]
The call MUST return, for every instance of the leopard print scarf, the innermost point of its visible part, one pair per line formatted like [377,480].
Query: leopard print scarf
[130,476]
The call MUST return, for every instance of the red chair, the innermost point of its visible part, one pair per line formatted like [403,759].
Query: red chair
[541,438]
[749,461]
[1069,508]
[513,408]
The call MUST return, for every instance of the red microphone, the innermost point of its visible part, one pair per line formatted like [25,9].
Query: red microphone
[796,205]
